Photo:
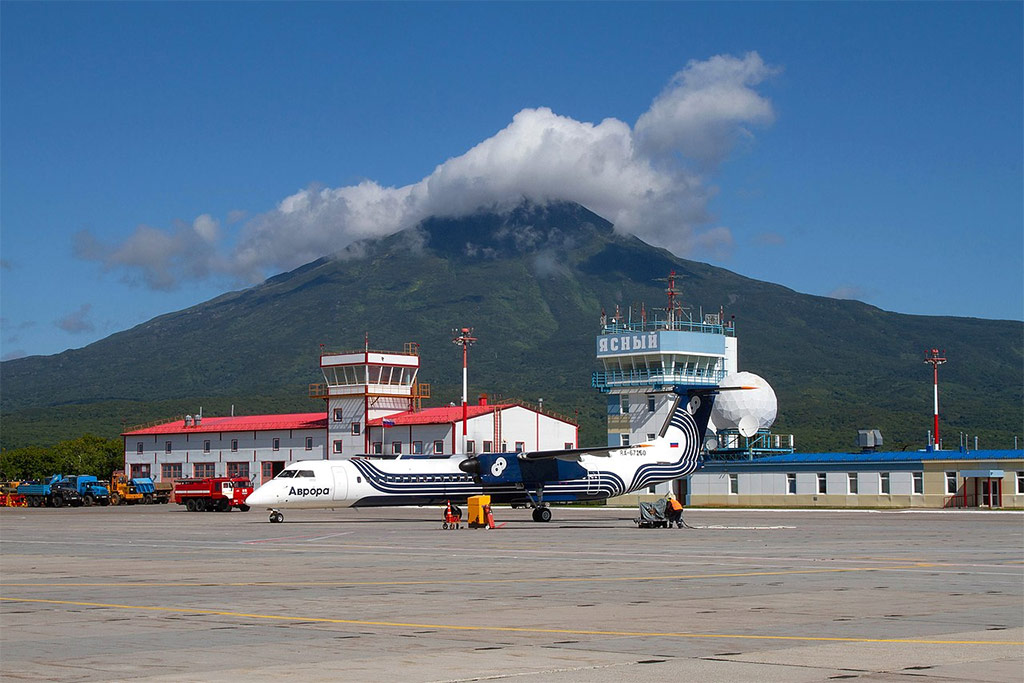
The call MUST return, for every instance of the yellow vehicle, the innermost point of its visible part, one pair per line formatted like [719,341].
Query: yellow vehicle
[122,490]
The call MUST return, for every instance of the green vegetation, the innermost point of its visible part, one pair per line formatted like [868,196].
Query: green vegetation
[532,284]
[85,455]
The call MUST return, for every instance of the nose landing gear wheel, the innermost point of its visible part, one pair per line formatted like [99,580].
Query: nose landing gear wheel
[542,514]
[276,517]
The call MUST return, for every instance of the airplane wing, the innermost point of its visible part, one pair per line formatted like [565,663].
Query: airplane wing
[570,453]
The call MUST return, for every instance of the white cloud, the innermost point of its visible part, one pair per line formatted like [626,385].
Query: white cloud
[648,180]
[77,321]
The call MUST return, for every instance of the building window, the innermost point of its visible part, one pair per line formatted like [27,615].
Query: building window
[951,482]
[918,482]
[734,484]
[337,415]
[309,443]
[276,444]
[822,482]
[206,445]
[520,446]
[140,470]
[337,445]
[203,469]
[568,446]
[170,470]
[396,447]
[488,446]
[651,437]
[138,448]
[438,446]
[234,445]
[851,483]
[1020,482]
[653,488]
[167,446]
[650,404]
[791,483]
[624,404]
[470,446]
[377,448]
[883,478]
[417,448]
[355,429]
[623,439]
[238,469]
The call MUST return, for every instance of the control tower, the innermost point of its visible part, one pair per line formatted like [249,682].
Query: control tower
[653,354]
[365,385]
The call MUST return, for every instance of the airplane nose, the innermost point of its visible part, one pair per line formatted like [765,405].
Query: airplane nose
[260,496]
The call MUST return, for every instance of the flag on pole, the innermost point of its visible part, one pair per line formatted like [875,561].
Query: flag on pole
[387,423]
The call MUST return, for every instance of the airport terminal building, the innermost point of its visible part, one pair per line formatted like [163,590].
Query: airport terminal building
[374,406]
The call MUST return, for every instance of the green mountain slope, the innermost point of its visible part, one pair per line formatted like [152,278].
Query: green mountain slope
[532,283]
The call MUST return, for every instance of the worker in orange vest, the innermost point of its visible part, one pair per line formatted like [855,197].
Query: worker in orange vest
[674,511]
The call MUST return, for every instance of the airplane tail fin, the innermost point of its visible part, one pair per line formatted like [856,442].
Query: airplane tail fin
[687,423]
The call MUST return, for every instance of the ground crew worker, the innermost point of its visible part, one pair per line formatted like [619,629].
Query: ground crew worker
[674,511]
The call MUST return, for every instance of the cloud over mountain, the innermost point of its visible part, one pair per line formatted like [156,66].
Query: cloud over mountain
[649,180]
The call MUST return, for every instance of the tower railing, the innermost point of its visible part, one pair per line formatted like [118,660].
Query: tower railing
[605,381]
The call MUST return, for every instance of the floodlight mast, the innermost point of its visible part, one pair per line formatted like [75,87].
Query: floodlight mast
[936,358]
[464,336]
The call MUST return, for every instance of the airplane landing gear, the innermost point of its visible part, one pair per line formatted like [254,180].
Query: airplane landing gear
[541,513]
[276,517]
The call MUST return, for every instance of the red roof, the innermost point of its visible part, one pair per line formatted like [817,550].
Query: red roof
[240,423]
[435,416]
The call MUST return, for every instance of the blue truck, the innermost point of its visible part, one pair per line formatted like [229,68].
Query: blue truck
[60,490]
[91,489]
[52,492]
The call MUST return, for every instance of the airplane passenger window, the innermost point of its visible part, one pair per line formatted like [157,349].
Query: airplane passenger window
[286,474]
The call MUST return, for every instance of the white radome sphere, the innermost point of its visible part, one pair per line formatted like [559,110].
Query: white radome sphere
[741,409]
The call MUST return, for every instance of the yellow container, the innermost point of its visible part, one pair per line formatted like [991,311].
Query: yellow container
[476,510]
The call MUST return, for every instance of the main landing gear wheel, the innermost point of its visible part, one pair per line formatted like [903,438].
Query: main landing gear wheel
[542,514]
[276,517]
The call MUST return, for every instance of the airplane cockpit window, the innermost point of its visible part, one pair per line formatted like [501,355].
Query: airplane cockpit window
[285,474]
[305,473]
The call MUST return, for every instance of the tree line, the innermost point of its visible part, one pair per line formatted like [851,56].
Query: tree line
[87,454]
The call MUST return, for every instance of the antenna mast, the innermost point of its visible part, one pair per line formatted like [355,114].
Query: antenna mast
[465,338]
[936,359]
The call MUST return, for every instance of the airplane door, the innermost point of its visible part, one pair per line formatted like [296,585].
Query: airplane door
[340,483]
[591,483]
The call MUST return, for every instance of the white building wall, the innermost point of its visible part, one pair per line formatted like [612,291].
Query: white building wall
[253,448]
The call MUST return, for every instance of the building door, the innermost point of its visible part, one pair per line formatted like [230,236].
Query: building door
[992,493]
[270,469]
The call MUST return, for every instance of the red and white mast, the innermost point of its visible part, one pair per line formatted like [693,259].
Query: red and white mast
[464,337]
[936,359]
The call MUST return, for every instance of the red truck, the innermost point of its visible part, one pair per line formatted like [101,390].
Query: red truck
[212,493]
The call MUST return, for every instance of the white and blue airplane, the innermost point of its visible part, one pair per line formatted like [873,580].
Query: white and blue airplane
[529,478]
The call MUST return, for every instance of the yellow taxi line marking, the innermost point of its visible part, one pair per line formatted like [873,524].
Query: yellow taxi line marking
[517,629]
[427,582]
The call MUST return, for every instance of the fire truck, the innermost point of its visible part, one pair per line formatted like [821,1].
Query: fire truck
[218,494]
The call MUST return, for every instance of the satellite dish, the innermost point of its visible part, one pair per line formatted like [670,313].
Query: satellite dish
[748,425]
[710,443]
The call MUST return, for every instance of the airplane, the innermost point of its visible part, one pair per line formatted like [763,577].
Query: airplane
[526,478]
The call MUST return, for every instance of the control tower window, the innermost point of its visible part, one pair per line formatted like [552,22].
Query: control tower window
[624,404]
[650,404]
[624,439]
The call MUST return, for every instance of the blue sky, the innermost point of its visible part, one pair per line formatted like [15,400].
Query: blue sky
[155,155]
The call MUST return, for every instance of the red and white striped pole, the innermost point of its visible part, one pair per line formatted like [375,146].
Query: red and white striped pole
[936,359]
[464,337]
